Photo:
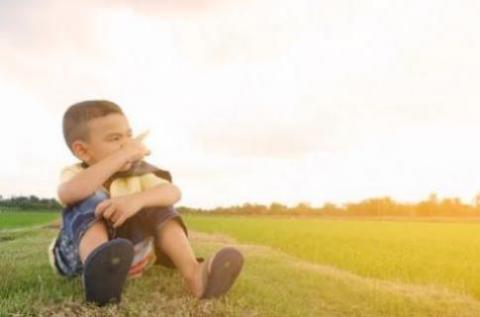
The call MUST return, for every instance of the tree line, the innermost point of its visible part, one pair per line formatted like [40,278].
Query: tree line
[433,206]
[28,203]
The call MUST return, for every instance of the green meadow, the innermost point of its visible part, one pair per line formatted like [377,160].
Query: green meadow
[16,219]
[444,254]
[294,267]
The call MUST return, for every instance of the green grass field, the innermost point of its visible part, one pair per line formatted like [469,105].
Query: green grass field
[294,267]
[440,254]
[16,219]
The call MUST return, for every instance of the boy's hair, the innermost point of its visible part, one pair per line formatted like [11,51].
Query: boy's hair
[77,116]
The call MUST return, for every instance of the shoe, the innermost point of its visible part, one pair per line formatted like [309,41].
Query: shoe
[225,266]
[105,271]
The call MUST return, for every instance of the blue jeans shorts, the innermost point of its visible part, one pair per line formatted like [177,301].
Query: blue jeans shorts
[79,217]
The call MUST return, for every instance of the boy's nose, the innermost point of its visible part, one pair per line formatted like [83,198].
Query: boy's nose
[124,141]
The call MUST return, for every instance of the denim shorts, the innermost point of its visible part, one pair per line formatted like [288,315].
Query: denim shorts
[79,217]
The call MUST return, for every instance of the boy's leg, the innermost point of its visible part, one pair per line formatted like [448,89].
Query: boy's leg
[208,279]
[94,236]
[205,279]
[81,232]
[84,248]
[172,240]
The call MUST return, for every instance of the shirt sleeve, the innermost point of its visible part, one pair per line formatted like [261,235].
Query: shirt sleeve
[68,172]
[150,180]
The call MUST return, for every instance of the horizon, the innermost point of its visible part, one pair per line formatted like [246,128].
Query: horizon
[474,202]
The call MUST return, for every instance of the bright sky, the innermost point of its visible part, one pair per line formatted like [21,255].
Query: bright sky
[253,101]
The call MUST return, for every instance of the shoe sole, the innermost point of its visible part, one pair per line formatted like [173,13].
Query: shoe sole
[105,271]
[225,268]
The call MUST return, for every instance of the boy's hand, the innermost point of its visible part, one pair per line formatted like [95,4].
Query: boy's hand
[118,209]
[134,150]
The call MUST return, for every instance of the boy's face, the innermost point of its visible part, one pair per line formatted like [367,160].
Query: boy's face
[107,135]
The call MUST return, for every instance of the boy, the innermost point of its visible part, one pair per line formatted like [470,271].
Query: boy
[118,212]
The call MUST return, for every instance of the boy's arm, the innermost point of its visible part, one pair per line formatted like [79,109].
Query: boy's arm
[120,208]
[89,180]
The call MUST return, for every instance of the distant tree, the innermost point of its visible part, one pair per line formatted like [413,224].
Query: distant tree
[330,209]
[277,207]
[429,207]
[302,208]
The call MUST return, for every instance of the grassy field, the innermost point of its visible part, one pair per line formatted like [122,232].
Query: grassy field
[16,219]
[294,267]
[440,254]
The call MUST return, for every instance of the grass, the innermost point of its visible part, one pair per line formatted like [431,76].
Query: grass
[273,282]
[17,218]
[424,253]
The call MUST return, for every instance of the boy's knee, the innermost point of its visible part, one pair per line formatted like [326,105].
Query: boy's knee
[170,226]
[80,217]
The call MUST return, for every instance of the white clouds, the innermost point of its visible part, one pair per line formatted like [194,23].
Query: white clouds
[28,161]
[311,100]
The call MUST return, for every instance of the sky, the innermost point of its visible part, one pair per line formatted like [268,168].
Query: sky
[260,101]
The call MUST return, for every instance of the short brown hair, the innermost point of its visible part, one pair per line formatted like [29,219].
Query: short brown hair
[77,116]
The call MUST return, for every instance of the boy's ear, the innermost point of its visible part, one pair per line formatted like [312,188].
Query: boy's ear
[80,149]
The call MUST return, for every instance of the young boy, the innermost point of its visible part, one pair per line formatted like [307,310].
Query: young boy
[118,214]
